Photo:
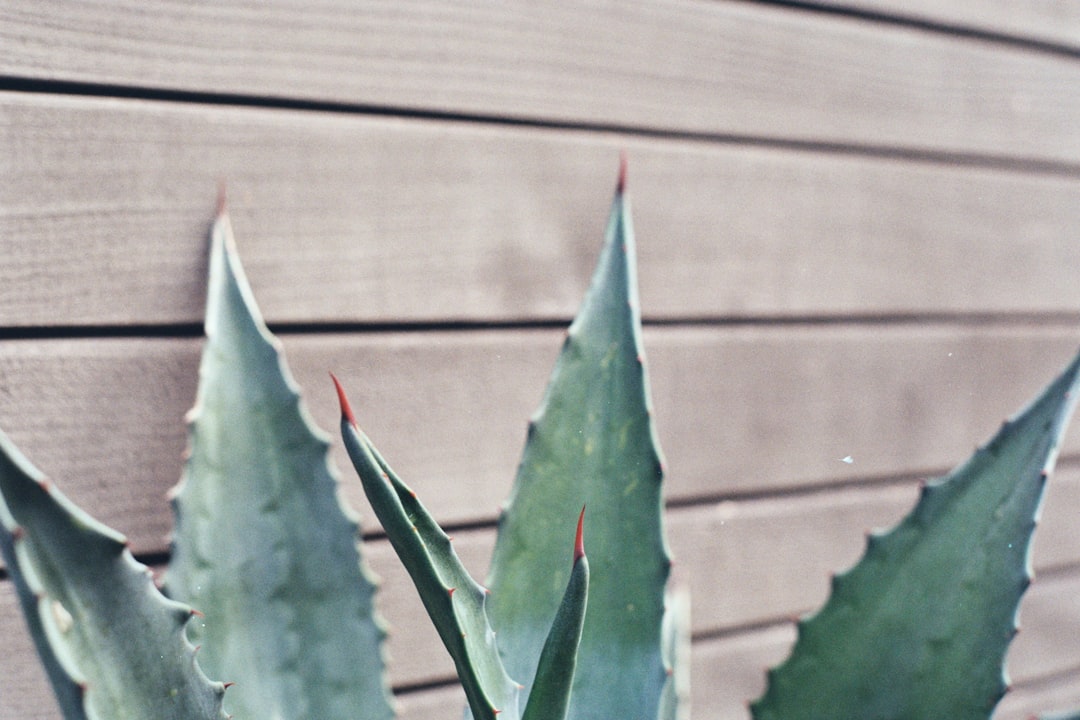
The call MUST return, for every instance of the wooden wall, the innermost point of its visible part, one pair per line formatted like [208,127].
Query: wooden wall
[858,226]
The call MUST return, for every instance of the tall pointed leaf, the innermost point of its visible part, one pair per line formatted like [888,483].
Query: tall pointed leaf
[263,545]
[592,443]
[919,627]
[112,645]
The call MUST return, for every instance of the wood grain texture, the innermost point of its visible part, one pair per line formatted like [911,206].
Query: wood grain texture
[739,410]
[857,242]
[1055,22]
[744,69]
[1055,695]
[346,219]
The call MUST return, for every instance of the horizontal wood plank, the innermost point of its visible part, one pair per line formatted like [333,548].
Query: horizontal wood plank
[356,220]
[682,66]
[739,410]
[1056,695]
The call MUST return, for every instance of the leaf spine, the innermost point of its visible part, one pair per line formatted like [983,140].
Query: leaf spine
[579,540]
[343,401]
[222,197]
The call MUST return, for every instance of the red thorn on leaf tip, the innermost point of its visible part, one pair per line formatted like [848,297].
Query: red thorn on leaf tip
[228,685]
[45,484]
[620,186]
[487,591]
[450,591]
[346,409]
[18,533]
[579,539]
[222,197]
[412,493]
[196,613]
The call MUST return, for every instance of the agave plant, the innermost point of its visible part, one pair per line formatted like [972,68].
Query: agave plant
[267,553]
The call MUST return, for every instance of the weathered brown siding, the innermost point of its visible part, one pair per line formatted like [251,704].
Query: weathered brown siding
[858,227]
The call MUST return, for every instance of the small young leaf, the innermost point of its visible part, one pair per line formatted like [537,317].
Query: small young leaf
[456,603]
[263,545]
[919,627]
[551,688]
[592,443]
[112,645]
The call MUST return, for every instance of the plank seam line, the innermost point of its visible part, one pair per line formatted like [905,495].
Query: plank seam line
[1066,675]
[1051,319]
[936,27]
[746,629]
[424,685]
[914,155]
[862,483]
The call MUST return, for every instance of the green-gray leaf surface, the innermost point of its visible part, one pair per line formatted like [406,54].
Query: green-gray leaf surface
[112,645]
[592,443]
[263,546]
[918,629]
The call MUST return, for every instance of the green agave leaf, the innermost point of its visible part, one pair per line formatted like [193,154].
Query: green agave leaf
[456,603]
[592,443]
[112,645]
[918,629]
[550,696]
[262,543]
